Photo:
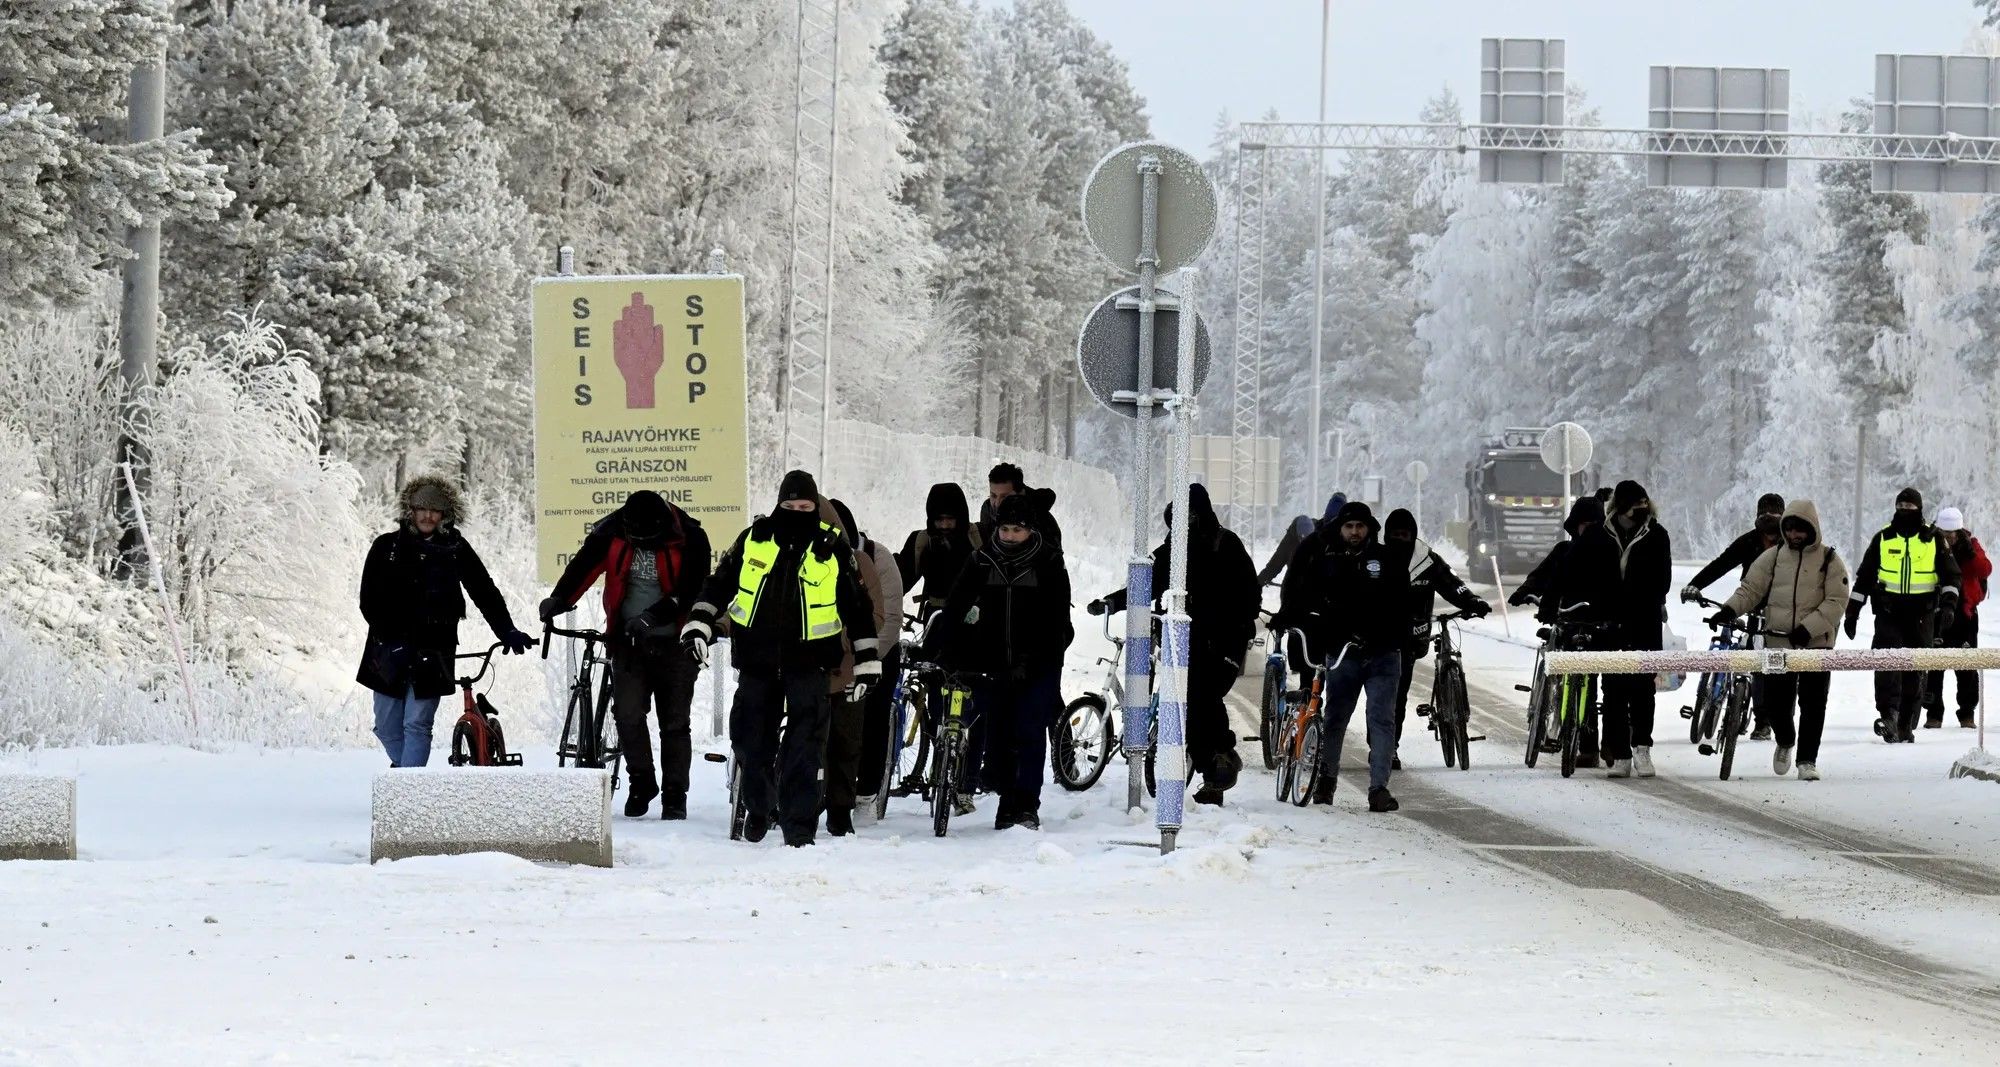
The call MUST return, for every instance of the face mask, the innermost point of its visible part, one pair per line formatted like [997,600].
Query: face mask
[1907,520]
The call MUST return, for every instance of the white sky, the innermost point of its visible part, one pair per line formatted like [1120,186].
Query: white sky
[1192,59]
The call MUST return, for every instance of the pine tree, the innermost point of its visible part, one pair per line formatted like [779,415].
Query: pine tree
[932,85]
[1864,301]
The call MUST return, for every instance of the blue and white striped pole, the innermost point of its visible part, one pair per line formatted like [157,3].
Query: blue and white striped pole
[1170,759]
[1139,576]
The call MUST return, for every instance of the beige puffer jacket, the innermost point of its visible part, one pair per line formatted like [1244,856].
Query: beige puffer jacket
[1805,587]
[871,581]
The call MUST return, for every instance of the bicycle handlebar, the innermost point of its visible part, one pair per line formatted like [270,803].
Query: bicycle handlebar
[549,628]
[486,663]
[923,667]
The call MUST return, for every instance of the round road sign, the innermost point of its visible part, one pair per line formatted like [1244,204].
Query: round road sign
[1113,201]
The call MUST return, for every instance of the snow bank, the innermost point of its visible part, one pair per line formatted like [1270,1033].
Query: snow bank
[561,816]
[37,817]
[1977,763]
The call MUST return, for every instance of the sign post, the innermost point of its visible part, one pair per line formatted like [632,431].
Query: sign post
[1148,208]
[639,384]
[1566,449]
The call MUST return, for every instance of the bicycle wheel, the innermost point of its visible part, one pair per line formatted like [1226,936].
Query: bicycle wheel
[1461,716]
[496,743]
[1700,705]
[462,744]
[566,747]
[1539,692]
[1273,710]
[1152,750]
[1305,764]
[1572,726]
[1282,776]
[1080,743]
[1440,717]
[1714,704]
[915,758]
[1732,722]
[606,754]
[944,786]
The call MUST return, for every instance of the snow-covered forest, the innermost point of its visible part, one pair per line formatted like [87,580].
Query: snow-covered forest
[358,192]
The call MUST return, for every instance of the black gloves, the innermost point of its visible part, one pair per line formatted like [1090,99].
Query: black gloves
[1095,607]
[1853,617]
[551,607]
[650,624]
[1722,618]
[516,642]
[1800,637]
[1479,610]
[1518,598]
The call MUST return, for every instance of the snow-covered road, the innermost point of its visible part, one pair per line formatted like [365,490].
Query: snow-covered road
[224,913]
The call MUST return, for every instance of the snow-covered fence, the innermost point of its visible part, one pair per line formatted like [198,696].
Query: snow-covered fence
[1773,661]
[561,816]
[37,817]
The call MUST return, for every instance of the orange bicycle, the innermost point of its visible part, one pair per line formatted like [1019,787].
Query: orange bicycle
[1299,733]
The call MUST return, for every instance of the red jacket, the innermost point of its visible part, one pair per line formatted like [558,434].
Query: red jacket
[1973,571]
[683,559]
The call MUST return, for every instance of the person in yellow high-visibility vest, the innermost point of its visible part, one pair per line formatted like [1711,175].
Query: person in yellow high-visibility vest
[790,589]
[1909,571]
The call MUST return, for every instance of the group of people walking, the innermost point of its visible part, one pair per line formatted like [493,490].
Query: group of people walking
[816,610]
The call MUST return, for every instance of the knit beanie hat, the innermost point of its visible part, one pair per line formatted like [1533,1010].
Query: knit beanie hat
[1910,496]
[798,485]
[1950,519]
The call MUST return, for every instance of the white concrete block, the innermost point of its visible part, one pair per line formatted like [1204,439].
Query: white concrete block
[563,816]
[37,817]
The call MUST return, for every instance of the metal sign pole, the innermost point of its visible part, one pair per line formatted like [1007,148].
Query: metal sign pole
[1170,758]
[1139,573]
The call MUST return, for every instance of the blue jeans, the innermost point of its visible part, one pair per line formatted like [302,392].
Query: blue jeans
[1378,674]
[403,725]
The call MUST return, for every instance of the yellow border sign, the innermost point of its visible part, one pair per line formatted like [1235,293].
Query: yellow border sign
[639,384]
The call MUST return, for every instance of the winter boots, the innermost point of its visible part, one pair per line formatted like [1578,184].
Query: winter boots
[1219,778]
[1934,720]
[636,802]
[755,826]
[840,821]
[1966,721]
[1323,789]
[1380,800]
[674,807]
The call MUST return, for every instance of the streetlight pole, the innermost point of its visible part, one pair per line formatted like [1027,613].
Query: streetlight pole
[1318,491]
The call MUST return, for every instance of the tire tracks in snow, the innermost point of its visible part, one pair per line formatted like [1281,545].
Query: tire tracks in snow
[1526,846]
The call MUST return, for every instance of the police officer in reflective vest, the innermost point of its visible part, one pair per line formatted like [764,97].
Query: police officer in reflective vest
[1910,573]
[790,588]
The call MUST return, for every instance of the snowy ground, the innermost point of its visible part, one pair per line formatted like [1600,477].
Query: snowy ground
[223,912]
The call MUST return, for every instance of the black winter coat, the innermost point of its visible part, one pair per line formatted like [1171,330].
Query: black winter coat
[1337,594]
[1008,614]
[1740,554]
[413,592]
[936,557]
[1625,580]
[772,642]
[1430,578]
[1223,592]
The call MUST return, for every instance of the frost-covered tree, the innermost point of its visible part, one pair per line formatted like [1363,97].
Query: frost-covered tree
[931,83]
[72,185]
[1863,296]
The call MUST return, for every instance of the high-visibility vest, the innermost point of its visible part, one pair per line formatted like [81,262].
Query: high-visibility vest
[819,580]
[1909,565]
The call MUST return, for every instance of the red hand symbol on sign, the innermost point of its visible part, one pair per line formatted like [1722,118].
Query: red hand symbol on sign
[639,349]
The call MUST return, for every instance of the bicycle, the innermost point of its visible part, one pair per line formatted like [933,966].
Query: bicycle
[1450,709]
[583,743]
[1085,740]
[1277,675]
[476,739]
[1300,732]
[954,720]
[1569,703]
[1721,711]
[903,776]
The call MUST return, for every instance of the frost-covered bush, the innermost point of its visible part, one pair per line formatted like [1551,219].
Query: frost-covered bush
[59,390]
[24,499]
[251,523]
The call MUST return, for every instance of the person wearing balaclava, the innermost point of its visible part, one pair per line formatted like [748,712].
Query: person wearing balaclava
[1430,578]
[791,591]
[1912,576]
[1223,599]
[653,558]
[414,584]
[1303,544]
[1008,618]
[1741,552]
[1623,570]
[934,555]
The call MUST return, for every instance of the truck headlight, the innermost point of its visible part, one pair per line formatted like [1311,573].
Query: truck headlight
[1492,497]
[1484,548]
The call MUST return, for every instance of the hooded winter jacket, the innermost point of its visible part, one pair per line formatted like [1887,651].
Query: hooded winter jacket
[1545,581]
[1339,593]
[934,556]
[1796,587]
[1624,575]
[1223,591]
[1008,614]
[413,593]
[1430,578]
[1974,569]
[682,558]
